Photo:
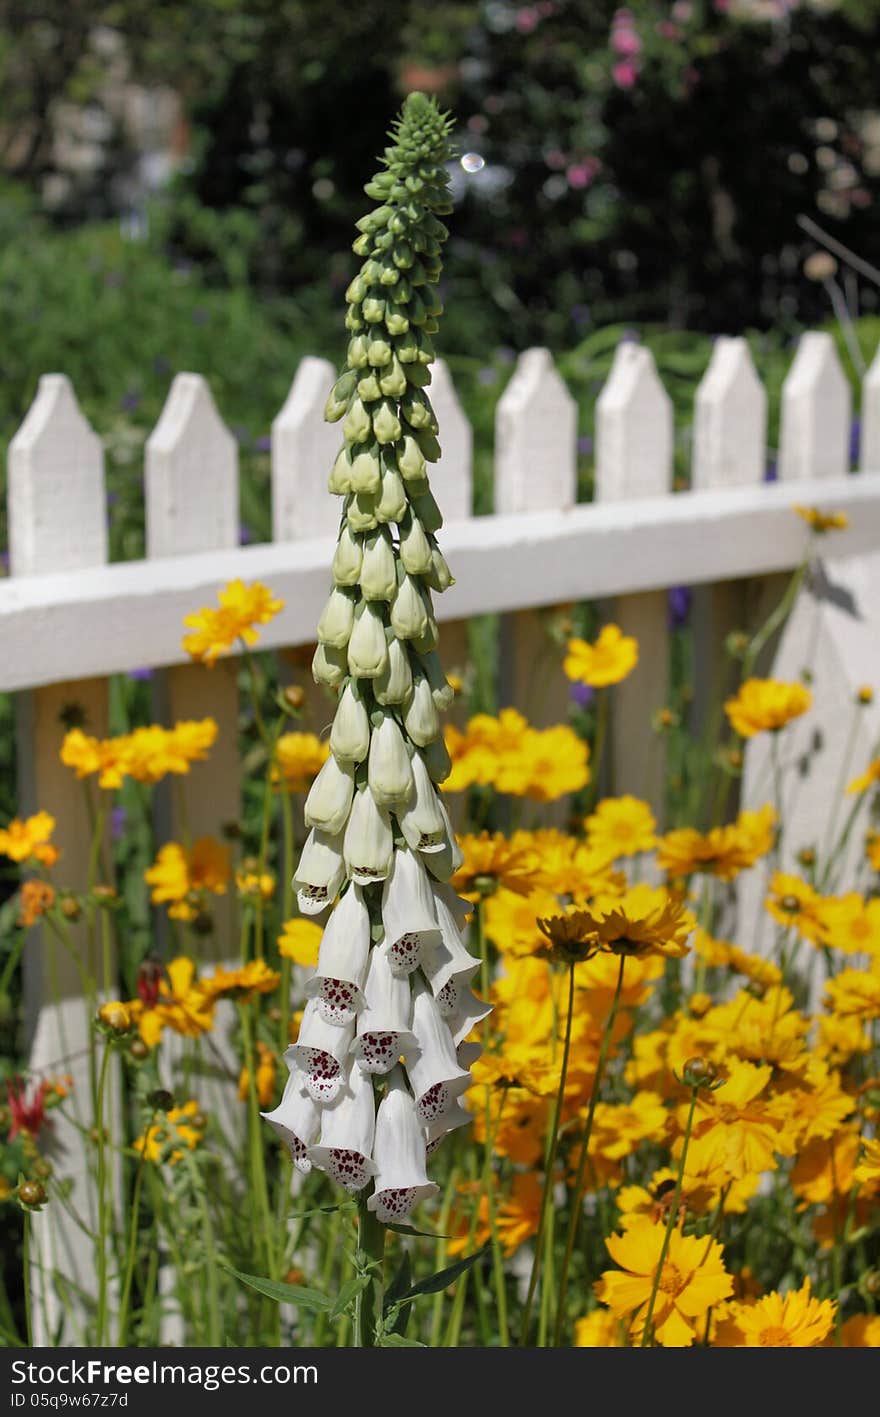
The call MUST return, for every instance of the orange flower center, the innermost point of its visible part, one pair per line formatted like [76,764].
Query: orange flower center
[672,1281]
[775,1337]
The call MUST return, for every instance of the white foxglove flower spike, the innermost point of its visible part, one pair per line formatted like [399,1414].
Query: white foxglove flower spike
[321,1052]
[296,1119]
[420,717]
[400,1153]
[348,1128]
[421,820]
[408,917]
[440,1127]
[343,959]
[337,619]
[350,734]
[378,578]
[383,1025]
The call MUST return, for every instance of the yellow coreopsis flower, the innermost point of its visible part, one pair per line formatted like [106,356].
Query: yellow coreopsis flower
[644,920]
[860,1331]
[253,884]
[794,902]
[185,1125]
[518,1214]
[825,1168]
[867,778]
[766,705]
[300,941]
[734,1127]
[29,839]
[618,1128]
[511,920]
[609,660]
[177,877]
[87,756]
[600,1329]
[266,1076]
[793,1320]
[854,993]
[552,762]
[765,1030]
[722,851]
[822,521]
[242,608]
[621,826]
[148,754]
[242,984]
[692,1280]
[867,1173]
[182,1005]
[850,923]
[491,861]
[299,758]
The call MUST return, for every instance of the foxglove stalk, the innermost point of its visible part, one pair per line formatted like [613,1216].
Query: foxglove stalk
[392,982]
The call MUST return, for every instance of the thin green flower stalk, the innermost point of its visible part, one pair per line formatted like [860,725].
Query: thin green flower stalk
[380,1061]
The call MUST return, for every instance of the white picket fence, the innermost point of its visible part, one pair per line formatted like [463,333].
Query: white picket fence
[68,619]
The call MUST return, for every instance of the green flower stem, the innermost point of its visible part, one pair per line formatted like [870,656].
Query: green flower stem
[774,620]
[286,910]
[488,1179]
[577,1195]
[826,876]
[215,1330]
[370,1256]
[549,1164]
[330,1252]
[843,776]
[11,964]
[262,858]
[599,742]
[442,1226]
[101,1320]
[647,1336]
[131,1248]
[453,1329]
[778,801]
[256,1164]
[26,1279]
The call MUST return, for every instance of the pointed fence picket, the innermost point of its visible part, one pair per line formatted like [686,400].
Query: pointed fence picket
[68,619]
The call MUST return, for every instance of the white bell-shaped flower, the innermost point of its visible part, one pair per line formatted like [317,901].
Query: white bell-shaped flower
[421,821]
[350,734]
[367,845]
[389,773]
[394,684]
[399,1152]
[435,1074]
[408,917]
[337,619]
[444,863]
[348,1128]
[329,666]
[296,1119]
[343,958]
[383,1025]
[378,579]
[321,1052]
[460,909]
[469,1012]
[368,647]
[420,716]
[468,1053]
[330,796]
[437,760]
[447,965]
[457,1116]
[409,618]
[347,558]
[320,872]
[442,691]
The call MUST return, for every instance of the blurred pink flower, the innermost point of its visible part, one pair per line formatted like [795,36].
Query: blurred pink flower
[625,74]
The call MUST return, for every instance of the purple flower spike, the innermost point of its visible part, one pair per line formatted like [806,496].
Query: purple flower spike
[679,605]
[583,694]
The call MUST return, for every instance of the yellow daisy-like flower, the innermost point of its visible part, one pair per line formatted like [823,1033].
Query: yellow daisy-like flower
[244,984]
[794,902]
[854,993]
[860,1331]
[722,851]
[493,861]
[185,1125]
[735,1128]
[793,1320]
[766,705]
[621,826]
[850,923]
[867,778]
[644,920]
[693,1279]
[600,1329]
[182,1005]
[299,758]
[300,941]
[254,884]
[511,920]
[266,1076]
[148,754]
[88,756]
[177,877]
[611,658]
[242,608]
[29,839]
[822,521]
[867,1173]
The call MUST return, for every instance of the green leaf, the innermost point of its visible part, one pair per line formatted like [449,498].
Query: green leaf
[397,1340]
[400,1282]
[284,1293]
[320,1210]
[409,1230]
[348,1293]
[444,1277]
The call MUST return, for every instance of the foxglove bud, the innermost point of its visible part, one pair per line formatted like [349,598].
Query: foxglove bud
[383,1025]
[337,983]
[393,381]
[438,575]
[435,1074]
[415,550]
[340,476]
[421,821]
[386,424]
[329,666]
[330,796]
[389,773]
[442,691]
[411,460]
[394,685]
[437,760]
[296,1119]
[368,845]
[366,470]
[337,402]
[408,917]
[378,579]
[358,425]
[350,734]
[337,619]
[348,1129]
[320,872]
[360,511]
[367,648]
[392,502]
[399,1151]
[347,558]
[420,717]
[409,618]
[321,1052]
